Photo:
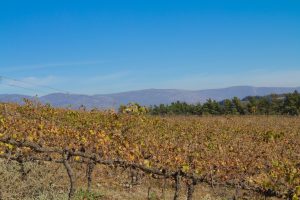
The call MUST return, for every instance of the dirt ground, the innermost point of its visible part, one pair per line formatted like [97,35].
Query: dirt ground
[48,181]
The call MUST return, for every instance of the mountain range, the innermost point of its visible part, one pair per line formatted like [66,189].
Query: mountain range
[148,97]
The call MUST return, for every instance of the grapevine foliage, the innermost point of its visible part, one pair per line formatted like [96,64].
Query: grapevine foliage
[252,152]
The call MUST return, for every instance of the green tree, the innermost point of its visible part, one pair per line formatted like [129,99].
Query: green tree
[237,104]
[228,107]
[211,107]
[291,104]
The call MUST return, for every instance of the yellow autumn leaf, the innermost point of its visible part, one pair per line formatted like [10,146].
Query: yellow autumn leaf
[297,191]
[30,138]
[147,163]
[185,168]
[295,197]
[9,146]
[83,140]
[92,132]
[77,158]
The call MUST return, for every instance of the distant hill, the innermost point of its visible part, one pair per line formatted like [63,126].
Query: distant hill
[149,96]
[16,98]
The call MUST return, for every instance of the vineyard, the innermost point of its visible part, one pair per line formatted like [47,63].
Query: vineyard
[255,154]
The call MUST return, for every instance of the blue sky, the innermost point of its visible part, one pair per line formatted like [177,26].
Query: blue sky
[95,47]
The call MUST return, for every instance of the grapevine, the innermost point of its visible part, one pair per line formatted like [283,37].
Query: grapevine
[255,153]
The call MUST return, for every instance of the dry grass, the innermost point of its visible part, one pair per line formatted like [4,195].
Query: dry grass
[48,181]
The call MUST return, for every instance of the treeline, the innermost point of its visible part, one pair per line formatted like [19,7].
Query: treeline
[285,104]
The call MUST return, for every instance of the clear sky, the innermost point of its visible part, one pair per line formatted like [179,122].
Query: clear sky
[94,47]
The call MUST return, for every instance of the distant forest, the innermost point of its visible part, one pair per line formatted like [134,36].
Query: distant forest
[274,104]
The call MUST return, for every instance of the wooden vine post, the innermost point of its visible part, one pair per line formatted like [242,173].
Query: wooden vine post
[89,171]
[66,157]
[5,110]
[177,185]
[191,188]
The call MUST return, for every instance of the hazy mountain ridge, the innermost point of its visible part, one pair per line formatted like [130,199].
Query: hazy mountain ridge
[149,96]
